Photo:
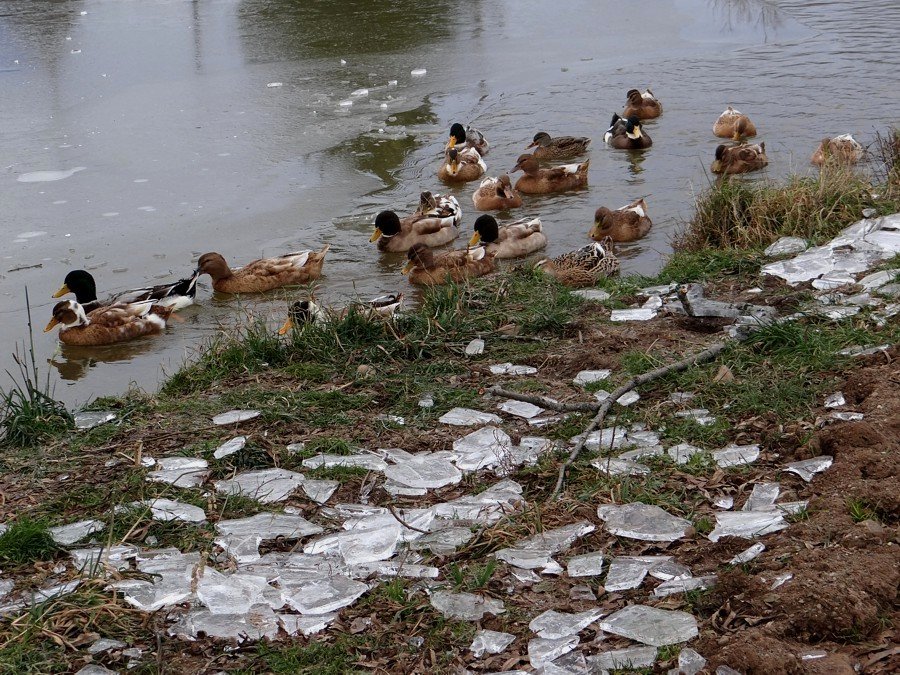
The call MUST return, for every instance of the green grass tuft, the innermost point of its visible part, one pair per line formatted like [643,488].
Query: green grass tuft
[27,541]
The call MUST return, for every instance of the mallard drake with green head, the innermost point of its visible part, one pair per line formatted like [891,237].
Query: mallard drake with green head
[627,134]
[435,223]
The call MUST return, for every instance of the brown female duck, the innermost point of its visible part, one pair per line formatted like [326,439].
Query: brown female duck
[108,325]
[496,194]
[739,158]
[427,269]
[584,266]
[263,274]
[510,240]
[624,224]
[461,166]
[842,149]
[735,125]
[538,181]
[644,106]
[561,147]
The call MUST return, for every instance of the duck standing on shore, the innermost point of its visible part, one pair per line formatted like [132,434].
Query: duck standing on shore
[538,181]
[496,194]
[644,106]
[427,269]
[434,223]
[109,324]
[584,266]
[561,147]
[627,223]
[264,274]
[177,295]
[627,134]
[510,240]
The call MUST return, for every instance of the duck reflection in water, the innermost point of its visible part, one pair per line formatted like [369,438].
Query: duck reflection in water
[74,362]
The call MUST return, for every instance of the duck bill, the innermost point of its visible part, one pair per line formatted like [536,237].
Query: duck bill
[533,144]
[63,290]
[376,235]
[407,268]
[475,239]
[451,143]
[286,327]
[53,322]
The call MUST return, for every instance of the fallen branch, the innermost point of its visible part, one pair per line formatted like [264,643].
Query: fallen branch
[543,401]
[403,522]
[707,354]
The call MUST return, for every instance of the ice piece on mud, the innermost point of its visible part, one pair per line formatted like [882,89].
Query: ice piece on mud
[652,626]
[786,246]
[94,669]
[747,555]
[626,573]
[684,585]
[781,579]
[465,606]
[808,468]
[630,658]
[324,597]
[667,569]
[116,557]
[542,651]
[588,376]
[363,461]
[66,535]
[295,624]
[643,521]
[104,645]
[235,416]
[558,539]
[490,642]
[637,314]
[613,466]
[443,542]
[736,455]
[424,471]
[832,280]
[475,347]
[586,565]
[258,623]
[241,537]
[319,491]
[232,593]
[169,509]
[89,420]
[725,670]
[552,625]
[521,409]
[179,471]
[512,369]
[762,497]
[846,416]
[876,280]
[836,400]
[682,452]
[397,490]
[489,446]
[723,501]
[628,398]
[747,524]
[663,289]
[485,507]
[360,546]
[529,559]
[592,294]
[265,486]
[689,662]
[653,302]
[466,417]
[700,415]
[230,447]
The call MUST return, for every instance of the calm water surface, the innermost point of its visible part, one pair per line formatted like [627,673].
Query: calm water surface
[163,140]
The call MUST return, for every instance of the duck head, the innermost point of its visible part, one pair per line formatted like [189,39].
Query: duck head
[540,138]
[457,135]
[81,283]
[486,230]
[633,128]
[418,254]
[300,313]
[67,313]
[387,224]
[527,164]
[214,265]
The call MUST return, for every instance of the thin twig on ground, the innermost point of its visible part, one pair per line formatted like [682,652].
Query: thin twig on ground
[707,354]
[543,401]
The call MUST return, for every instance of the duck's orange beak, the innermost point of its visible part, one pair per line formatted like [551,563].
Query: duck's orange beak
[376,235]
[475,239]
[286,327]
[531,145]
[53,322]
[451,143]
[63,290]
[407,268]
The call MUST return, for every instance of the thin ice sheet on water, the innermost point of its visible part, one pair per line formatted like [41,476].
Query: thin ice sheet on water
[319,491]
[684,585]
[258,623]
[465,606]
[231,446]
[89,420]
[613,466]
[585,565]
[490,642]
[643,521]
[466,417]
[427,470]
[542,651]
[235,416]
[365,461]
[512,369]
[808,468]
[620,659]
[637,314]
[521,409]
[325,596]
[585,377]
[651,626]
[66,535]
[552,624]
[747,524]
[179,471]
[736,455]
[265,486]
[762,497]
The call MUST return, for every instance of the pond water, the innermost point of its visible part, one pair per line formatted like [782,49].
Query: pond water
[137,134]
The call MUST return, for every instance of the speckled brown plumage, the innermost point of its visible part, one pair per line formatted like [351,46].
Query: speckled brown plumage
[263,274]
[538,181]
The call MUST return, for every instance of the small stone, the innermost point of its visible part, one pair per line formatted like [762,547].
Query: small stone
[475,347]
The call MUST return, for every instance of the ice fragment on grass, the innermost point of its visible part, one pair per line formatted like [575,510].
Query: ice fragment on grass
[689,663]
[521,409]
[542,651]
[485,507]
[592,294]
[808,468]
[643,521]
[266,486]
[781,579]
[832,280]
[876,280]
[104,645]
[628,398]
[475,347]
[179,471]
[558,539]
[231,593]
[489,446]
[235,416]
[626,573]
[230,447]
[364,461]
[699,415]
[465,606]
[736,455]
[638,314]
[684,585]
[747,555]
[116,557]
[258,623]
[588,376]
[586,565]
[241,537]
[295,624]
[490,642]
[89,420]
[66,535]
[630,658]
[443,542]
[528,559]
[652,626]
[682,452]
[369,545]
[169,509]
[613,466]
[553,625]
[326,596]
[94,669]
[786,246]
[747,524]
[836,400]
[762,497]
[424,471]
[466,417]
[319,491]
[512,369]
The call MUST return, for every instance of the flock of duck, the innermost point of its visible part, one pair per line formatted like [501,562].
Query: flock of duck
[145,311]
